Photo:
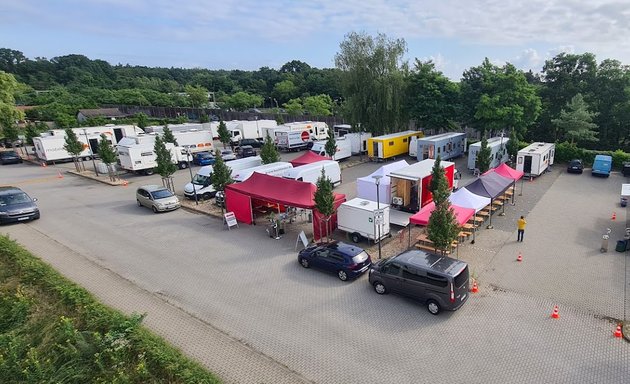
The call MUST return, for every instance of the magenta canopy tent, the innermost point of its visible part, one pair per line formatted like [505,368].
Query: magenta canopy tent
[462,215]
[508,172]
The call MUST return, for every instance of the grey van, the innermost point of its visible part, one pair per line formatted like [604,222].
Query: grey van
[438,281]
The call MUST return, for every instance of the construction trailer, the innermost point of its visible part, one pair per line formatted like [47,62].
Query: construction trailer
[447,145]
[49,146]
[358,141]
[311,130]
[534,159]
[498,152]
[410,185]
[389,146]
[362,218]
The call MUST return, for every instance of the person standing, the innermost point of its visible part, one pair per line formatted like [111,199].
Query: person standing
[521,223]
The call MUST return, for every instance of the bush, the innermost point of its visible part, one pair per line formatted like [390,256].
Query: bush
[566,152]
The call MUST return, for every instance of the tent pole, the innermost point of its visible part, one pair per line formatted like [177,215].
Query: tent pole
[409,243]
[513,190]
[474,227]
[490,225]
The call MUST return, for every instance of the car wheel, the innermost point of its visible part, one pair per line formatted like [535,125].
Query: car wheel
[355,237]
[183,165]
[155,210]
[139,203]
[380,288]
[87,158]
[433,307]
[149,171]
[342,275]
[206,196]
[304,262]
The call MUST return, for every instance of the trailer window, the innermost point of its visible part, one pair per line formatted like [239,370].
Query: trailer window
[404,140]
[391,143]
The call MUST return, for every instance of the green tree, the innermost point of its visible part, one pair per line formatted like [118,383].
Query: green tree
[320,105]
[204,118]
[198,96]
[331,144]
[9,115]
[108,155]
[142,120]
[168,137]
[31,132]
[224,134]
[442,229]
[484,156]
[325,200]
[269,153]
[285,90]
[294,107]
[165,166]
[242,100]
[432,99]
[512,145]
[74,147]
[373,81]
[576,123]
[221,173]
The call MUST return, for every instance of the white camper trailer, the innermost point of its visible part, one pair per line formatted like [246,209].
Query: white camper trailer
[358,141]
[344,149]
[447,145]
[273,169]
[498,152]
[534,159]
[361,219]
[311,172]
[202,182]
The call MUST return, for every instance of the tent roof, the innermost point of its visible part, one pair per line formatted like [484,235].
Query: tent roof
[509,172]
[489,185]
[467,199]
[307,158]
[462,214]
[384,171]
[272,188]
[419,170]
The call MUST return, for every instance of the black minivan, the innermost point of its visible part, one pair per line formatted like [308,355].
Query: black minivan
[440,282]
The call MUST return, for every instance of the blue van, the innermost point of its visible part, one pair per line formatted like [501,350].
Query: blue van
[602,165]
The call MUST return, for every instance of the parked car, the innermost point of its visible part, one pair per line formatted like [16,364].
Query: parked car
[575,166]
[227,155]
[157,197]
[347,261]
[8,143]
[10,157]
[204,158]
[16,205]
[253,142]
[439,281]
[245,151]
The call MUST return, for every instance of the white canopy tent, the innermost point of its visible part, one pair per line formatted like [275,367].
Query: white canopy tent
[467,199]
[366,186]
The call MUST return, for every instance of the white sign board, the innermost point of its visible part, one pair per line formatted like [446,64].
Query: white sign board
[303,239]
[230,219]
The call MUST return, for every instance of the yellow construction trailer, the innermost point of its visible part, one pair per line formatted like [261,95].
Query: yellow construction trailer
[391,145]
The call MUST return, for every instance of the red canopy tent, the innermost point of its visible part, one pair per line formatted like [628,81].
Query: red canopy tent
[462,215]
[285,192]
[307,158]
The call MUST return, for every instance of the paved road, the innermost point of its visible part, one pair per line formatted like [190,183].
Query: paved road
[239,302]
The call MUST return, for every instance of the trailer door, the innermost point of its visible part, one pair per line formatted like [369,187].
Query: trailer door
[118,134]
[94,146]
[527,164]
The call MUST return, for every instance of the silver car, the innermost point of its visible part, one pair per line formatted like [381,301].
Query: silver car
[157,197]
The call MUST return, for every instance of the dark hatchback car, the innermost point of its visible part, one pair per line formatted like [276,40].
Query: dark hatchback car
[345,260]
[16,205]
[253,142]
[10,157]
[204,158]
[245,151]
[575,166]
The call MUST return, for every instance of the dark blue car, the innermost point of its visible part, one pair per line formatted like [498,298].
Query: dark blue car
[345,260]
[204,158]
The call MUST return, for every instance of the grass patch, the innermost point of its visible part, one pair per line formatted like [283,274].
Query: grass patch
[53,331]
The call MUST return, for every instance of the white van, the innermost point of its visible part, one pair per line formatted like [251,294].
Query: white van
[202,182]
[344,149]
[273,169]
[311,172]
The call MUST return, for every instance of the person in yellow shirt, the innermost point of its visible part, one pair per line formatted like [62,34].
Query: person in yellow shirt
[521,223]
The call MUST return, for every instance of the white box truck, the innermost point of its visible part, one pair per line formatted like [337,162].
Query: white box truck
[344,149]
[293,140]
[141,158]
[273,169]
[246,129]
[202,182]
[311,172]
[361,219]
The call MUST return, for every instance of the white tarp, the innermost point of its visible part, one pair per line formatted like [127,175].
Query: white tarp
[366,186]
[467,199]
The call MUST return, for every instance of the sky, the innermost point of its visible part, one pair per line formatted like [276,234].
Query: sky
[248,35]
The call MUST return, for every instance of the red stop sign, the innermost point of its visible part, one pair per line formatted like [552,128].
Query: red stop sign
[305,136]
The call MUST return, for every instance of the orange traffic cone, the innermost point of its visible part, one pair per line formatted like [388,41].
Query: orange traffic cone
[59,175]
[614,216]
[519,257]
[555,314]
[618,331]
[125,183]
[44,164]
[475,288]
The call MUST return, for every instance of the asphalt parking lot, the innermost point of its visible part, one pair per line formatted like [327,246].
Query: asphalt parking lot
[239,302]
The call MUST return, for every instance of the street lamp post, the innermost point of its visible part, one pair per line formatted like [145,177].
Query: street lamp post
[188,156]
[91,151]
[378,220]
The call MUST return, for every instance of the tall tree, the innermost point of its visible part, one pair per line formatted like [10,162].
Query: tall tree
[108,155]
[9,115]
[221,173]
[165,166]
[319,105]
[442,229]
[74,147]
[294,107]
[438,184]
[197,95]
[513,145]
[576,122]
[611,100]
[168,137]
[484,156]
[269,153]
[373,81]
[325,200]
[224,134]
[142,120]
[331,144]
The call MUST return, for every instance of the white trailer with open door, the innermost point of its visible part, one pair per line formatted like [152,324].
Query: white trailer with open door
[535,159]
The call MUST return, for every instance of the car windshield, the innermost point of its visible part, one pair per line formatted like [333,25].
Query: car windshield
[205,156]
[200,179]
[161,194]
[360,258]
[9,154]
[226,152]
[18,198]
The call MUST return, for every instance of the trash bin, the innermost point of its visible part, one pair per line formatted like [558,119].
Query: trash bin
[622,245]
[604,247]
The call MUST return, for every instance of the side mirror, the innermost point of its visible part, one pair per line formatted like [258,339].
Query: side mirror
[34,199]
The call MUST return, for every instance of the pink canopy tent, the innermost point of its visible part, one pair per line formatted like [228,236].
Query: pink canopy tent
[462,215]
[307,158]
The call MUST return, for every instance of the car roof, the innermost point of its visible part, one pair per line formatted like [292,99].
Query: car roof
[152,187]
[348,249]
[422,259]
[246,147]
[10,190]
